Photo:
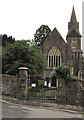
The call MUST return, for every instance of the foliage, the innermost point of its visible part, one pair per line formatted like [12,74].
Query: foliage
[34,92]
[20,54]
[6,40]
[32,95]
[41,34]
[64,72]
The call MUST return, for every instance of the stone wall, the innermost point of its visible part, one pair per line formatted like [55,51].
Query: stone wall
[54,39]
[72,93]
[13,86]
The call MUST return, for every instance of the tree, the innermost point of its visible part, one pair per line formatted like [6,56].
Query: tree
[63,71]
[6,40]
[20,54]
[41,34]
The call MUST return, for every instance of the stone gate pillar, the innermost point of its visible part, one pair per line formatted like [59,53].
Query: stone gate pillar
[23,72]
[24,80]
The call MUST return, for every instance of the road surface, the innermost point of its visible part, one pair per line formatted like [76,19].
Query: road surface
[26,111]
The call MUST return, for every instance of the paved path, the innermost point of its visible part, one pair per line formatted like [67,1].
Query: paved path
[10,110]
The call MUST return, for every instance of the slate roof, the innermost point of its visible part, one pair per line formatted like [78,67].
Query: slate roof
[74,33]
[73,16]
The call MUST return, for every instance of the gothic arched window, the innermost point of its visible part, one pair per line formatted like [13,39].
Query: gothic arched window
[54,57]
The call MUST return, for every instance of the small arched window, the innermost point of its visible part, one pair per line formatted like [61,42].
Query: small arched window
[54,58]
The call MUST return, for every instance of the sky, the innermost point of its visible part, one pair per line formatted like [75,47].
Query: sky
[21,18]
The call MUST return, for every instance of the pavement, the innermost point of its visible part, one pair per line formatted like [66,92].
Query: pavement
[67,108]
[27,111]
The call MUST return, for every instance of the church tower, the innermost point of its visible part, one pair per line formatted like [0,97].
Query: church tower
[73,36]
[74,42]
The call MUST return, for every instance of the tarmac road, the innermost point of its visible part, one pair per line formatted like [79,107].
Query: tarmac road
[10,110]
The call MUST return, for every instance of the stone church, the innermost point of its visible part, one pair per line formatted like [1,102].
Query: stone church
[57,52]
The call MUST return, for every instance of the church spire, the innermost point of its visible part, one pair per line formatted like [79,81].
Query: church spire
[73,16]
[73,24]
[73,36]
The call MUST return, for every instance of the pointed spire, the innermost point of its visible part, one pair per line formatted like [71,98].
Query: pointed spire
[73,16]
[73,25]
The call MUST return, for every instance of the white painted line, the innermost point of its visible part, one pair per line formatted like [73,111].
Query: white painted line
[7,102]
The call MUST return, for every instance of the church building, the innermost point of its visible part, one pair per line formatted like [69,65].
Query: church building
[57,52]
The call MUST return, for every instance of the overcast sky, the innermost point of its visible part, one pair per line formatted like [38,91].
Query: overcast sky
[21,18]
